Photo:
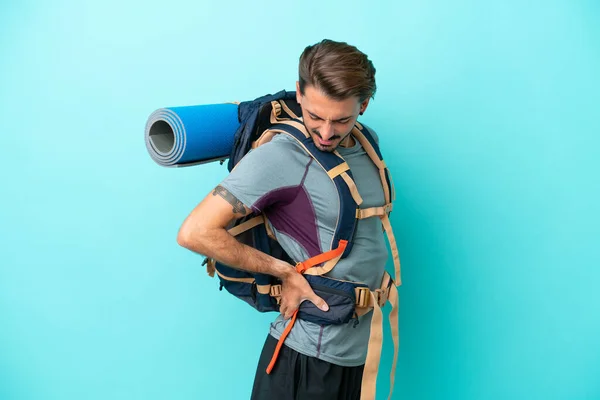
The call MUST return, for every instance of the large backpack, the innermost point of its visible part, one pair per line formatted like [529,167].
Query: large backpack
[260,120]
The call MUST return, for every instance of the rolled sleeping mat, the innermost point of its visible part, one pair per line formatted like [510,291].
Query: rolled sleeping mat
[183,136]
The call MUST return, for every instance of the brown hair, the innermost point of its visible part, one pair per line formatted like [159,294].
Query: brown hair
[338,69]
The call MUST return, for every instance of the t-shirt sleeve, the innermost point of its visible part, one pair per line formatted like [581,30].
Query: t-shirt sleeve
[268,174]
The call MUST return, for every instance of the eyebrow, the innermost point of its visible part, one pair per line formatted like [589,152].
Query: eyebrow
[335,120]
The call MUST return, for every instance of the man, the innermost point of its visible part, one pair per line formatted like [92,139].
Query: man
[336,82]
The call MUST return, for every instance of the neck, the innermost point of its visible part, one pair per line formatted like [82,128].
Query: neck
[348,141]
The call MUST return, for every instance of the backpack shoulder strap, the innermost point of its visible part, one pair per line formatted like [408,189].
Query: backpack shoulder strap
[339,172]
[284,120]
[366,139]
[281,116]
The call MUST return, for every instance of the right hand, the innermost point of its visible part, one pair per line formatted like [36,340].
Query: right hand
[294,290]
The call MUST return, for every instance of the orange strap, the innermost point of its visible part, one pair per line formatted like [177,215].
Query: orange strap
[301,267]
[280,343]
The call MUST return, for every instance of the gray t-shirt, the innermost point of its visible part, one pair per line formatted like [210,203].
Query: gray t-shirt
[301,202]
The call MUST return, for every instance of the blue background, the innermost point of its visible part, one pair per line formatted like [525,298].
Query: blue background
[488,113]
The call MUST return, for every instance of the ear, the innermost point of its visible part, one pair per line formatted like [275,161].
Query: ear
[298,94]
[364,105]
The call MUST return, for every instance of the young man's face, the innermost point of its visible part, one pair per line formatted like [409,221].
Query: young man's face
[328,121]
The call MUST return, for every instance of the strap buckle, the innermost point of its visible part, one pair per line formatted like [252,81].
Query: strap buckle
[301,267]
[363,294]
[275,291]
[380,297]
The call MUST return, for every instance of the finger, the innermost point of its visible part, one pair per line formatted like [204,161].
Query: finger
[290,314]
[289,311]
[319,302]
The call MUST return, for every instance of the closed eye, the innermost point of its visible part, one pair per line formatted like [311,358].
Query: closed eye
[313,116]
[337,121]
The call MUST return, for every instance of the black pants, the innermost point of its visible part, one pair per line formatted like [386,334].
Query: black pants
[299,377]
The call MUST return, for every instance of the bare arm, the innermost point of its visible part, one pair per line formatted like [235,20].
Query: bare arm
[204,232]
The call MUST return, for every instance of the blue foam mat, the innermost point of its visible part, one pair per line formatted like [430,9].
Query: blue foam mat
[183,136]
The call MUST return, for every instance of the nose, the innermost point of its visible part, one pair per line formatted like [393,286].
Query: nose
[326,130]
